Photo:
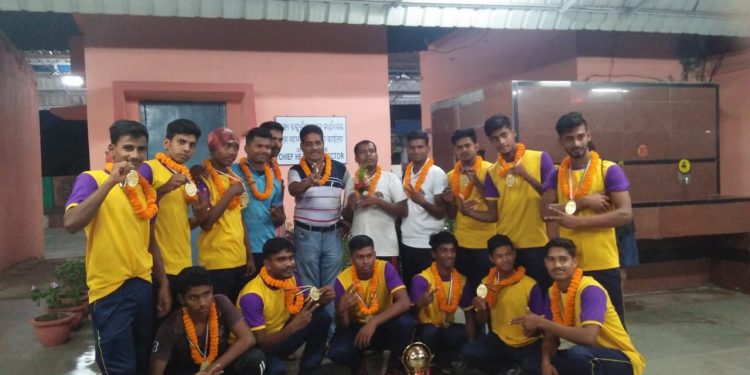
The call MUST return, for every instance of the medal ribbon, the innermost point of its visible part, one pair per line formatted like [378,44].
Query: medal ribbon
[572,193]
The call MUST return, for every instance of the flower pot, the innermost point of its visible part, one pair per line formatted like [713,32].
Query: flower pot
[78,312]
[52,329]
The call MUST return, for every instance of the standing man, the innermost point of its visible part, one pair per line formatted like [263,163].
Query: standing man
[265,193]
[176,191]
[277,140]
[424,183]
[466,203]
[586,199]
[222,244]
[375,199]
[115,206]
[316,184]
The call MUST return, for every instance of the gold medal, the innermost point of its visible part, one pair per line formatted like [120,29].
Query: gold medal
[244,199]
[482,291]
[570,207]
[191,189]
[205,365]
[131,179]
[510,180]
[314,294]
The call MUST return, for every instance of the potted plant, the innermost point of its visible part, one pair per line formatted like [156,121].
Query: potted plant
[52,328]
[72,275]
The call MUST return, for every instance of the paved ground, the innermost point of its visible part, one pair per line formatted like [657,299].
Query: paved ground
[695,331]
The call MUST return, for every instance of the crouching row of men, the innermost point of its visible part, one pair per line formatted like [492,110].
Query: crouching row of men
[373,311]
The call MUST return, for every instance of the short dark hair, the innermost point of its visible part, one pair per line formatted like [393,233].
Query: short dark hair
[498,240]
[121,128]
[191,277]
[569,121]
[464,133]
[362,143]
[565,243]
[307,129]
[441,238]
[276,245]
[496,123]
[272,125]
[360,241]
[257,132]
[182,126]
[416,134]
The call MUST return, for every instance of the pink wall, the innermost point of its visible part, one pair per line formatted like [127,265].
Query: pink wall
[21,226]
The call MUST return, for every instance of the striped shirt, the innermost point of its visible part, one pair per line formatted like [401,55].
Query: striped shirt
[320,206]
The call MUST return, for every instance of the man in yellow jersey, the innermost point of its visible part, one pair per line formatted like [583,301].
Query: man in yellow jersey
[115,206]
[283,313]
[176,191]
[222,243]
[465,201]
[516,180]
[436,293]
[371,310]
[510,293]
[584,201]
[580,312]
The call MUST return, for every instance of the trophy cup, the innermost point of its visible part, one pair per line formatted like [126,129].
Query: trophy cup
[417,358]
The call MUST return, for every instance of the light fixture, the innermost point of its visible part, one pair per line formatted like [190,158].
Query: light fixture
[72,81]
[608,90]
[554,83]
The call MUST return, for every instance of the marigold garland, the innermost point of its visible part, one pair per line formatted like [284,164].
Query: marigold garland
[420,180]
[372,288]
[276,170]
[219,182]
[443,304]
[251,181]
[505,166]
[586,181]
[361,180]
[151,208]
[293,299]
[495,286]
[456,178]
[179,168]
[303,163]
[571,300]
[213,336]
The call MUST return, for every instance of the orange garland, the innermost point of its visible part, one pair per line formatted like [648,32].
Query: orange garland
[373,181]
[292,298]
[456,178]
[179,168]
[276,170]
[497,287]
[586,181]
[219,182]
[373,288]
[213,336]
[570,305]
[151,208]
[420,180]
[443,304]
[251,181]
[326,173]
[505,166]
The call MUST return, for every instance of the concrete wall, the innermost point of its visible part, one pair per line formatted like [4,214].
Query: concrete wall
[21,225]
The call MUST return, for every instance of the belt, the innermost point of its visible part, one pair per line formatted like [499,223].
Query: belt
[311,228]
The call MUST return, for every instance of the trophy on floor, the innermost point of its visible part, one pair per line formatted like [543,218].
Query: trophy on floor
[417,358]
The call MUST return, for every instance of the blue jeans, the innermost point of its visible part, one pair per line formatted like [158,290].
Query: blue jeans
[394,335]
[595,361]
[474,264]
[532,258]
[229,281]
[490,354]
[123,323]
[313,336]
[445,343]
[319,257]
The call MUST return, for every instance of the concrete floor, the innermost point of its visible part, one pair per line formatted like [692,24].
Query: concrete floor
[696,331]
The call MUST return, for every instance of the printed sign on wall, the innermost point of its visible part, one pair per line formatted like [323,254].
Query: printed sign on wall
[334,136]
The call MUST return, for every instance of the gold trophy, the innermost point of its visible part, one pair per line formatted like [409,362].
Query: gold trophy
[417,359]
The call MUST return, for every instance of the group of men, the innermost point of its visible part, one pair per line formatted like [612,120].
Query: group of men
[532,257]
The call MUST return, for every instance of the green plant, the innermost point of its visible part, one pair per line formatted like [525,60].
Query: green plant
[51,296]
[72,275]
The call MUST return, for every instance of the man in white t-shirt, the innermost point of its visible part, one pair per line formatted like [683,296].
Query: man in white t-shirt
[375,199]
[424,183]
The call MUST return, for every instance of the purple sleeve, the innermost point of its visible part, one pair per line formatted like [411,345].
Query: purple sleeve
[537,303]
[418,286]
[547,311]
[392,279]
[83,187]
[615,180]
[339,290]
[551,183]
[147,173]
[252,310]
[467,297]
[546,167]
[490,190]
[593,304]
